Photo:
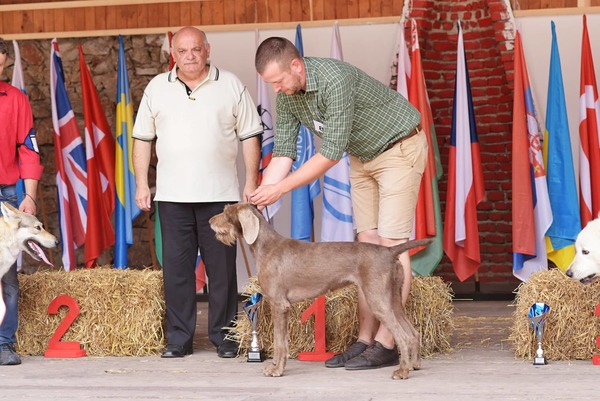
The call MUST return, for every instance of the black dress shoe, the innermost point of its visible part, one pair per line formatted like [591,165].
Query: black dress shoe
[229,349]
[176,351]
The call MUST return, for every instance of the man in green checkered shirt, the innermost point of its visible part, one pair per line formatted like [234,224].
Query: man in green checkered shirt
[379,129]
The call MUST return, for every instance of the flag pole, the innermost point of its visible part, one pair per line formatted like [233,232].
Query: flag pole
[151,241]
[45,220]
[246,260]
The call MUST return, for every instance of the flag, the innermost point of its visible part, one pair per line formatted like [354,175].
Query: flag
[336,220]
[403,67]
[267,138]
[18,82]
[428,214]
[71,173]
[302,198]
[589,135]
[166,48]
[126,209]
[558,159]
[531,212]
[465,178]
[100,150]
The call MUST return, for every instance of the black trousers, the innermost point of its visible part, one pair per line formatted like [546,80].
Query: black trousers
[185,229]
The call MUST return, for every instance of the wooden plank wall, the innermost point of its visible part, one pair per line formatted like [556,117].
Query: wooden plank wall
[18,17]
[27,16]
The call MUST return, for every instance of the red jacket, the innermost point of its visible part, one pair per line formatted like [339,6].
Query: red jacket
[19,154]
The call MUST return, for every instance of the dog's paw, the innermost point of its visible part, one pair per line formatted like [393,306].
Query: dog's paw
[273,371]
[400,374]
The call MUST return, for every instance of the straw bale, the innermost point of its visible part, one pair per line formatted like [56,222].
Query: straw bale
[429,308]
[571,328]
[122,311]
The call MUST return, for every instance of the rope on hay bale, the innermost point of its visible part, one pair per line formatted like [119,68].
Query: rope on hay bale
[571,327]
[122,311]
[429,308]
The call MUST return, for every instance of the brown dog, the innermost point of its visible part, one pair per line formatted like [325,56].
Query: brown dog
[290,271]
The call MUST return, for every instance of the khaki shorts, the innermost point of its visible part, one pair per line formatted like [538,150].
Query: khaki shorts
[385,189]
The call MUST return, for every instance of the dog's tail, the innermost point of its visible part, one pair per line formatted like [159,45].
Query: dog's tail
[398,249]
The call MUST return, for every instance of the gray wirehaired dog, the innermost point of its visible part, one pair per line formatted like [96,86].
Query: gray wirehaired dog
[290,271]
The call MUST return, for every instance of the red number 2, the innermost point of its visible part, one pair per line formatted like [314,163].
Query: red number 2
[64,349]
[596,358]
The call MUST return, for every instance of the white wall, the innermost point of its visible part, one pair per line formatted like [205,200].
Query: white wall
[536,34]
[369,47]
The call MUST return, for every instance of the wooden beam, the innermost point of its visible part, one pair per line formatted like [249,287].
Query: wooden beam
[207,28]
[557,11]
[53,5]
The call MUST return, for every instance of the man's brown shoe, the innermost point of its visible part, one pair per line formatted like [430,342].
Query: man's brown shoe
[376,356]
[354,350]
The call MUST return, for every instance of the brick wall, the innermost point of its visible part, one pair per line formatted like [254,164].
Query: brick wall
[488,35]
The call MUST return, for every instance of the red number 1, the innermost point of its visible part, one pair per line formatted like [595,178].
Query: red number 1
[319,354]
[64,349]
[596,358]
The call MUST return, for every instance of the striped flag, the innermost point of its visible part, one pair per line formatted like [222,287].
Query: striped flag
[336,222]
[403,67]
[428,214]
[531,212]
[589,135]
[100,150]
[166,48]
[71,173]
[19,82]
[465,178]
[302,198]
[126,209]
[267,141]
[558,159]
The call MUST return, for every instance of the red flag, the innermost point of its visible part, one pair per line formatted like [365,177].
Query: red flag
[465,178]
[200,274]
[100,152]
[589,135]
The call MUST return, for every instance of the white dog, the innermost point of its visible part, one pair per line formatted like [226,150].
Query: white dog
[20,231]
[586,265]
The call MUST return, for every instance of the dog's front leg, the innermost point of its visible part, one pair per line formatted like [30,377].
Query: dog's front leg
[279,314]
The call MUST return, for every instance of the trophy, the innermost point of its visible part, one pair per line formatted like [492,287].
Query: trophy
[251,307]
[538,313]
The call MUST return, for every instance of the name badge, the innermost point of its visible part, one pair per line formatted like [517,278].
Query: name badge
[319,127]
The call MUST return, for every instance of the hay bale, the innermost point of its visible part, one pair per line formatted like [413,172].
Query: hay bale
[571,327]
[122,311]
[429,308]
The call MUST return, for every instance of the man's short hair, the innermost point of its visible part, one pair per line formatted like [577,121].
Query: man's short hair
[276,49]
[3,47]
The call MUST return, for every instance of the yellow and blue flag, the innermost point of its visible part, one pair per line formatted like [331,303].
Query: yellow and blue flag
[558,159]
[126,210]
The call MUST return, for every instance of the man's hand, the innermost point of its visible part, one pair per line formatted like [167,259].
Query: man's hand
[266,195]
[143,198]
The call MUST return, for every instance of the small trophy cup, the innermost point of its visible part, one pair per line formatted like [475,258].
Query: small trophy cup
[538,313]
[251,307]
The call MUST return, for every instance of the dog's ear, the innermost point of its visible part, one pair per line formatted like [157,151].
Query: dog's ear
[250,225]
[9,213]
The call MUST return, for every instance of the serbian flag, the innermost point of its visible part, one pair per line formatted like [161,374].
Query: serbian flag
[126,209]
[100,150]
[428,214]
[558,159]
[302,198]
[267,139]
[465,178]
[531,212]
[336,221]
[589,135]
[71,172]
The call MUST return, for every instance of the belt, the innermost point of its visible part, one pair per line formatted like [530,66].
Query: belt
[412,133]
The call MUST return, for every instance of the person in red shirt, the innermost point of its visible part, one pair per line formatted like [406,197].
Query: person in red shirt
[19,158]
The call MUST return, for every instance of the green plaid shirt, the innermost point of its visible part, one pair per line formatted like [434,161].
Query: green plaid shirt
[348,109]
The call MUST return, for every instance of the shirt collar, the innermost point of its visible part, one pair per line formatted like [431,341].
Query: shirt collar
[213,73]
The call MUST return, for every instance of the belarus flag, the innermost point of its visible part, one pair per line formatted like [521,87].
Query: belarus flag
[465,178]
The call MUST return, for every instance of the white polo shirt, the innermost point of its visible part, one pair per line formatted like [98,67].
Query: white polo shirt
[197,135]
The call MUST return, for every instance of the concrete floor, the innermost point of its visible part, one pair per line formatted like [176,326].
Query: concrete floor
[481,367]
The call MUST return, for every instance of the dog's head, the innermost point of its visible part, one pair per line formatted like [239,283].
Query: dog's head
[586,265]
[240,220]
[28,232]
